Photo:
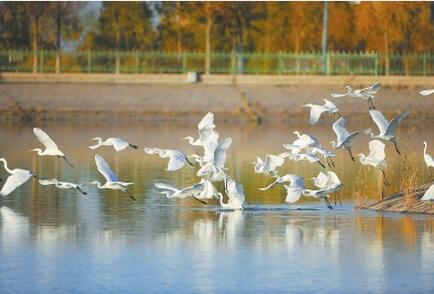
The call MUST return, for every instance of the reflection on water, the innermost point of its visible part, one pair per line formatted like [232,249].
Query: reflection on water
[62,241]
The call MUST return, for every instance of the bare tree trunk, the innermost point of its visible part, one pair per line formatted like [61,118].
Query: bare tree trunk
[58,41]
[35,46]
[208,40]
[386,49]
[118,47]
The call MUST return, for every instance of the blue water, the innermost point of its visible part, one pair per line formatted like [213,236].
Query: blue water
[58,241]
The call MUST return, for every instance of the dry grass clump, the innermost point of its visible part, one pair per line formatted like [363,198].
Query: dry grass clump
[408,179]
[360,189]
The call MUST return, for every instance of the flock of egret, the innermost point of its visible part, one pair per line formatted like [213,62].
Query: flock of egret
[211,163]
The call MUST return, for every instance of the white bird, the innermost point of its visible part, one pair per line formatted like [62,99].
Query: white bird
[305,140]
[302,157]
[212,172]
[386,129]
[343,137]
[194,191]
[429,160]
[429,194]
[18,177]
[112,181]
[376,158]
[321,194]
[177,159]
[206,131]
[327,154]
[235,194]
[329,180]
[51,148]
[294,185]
[365,93]
[117,143]
[316,110]
[426,92]
[268,165]
[62,185]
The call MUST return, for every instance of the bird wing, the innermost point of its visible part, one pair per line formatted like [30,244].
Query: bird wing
[119,144]
[376,150]
[395,122]
[330,105]
[379,120]
[207,121]
[429,194]
[426,92]
[273,161]
[292,194]
[333,179]
[176,160]
[13,181]
[46,182]
[164,186]
[209,191]
[44,139]
[220,154]
[315,113]
[320,181]
[339,129]
[338,95]
[210,146]
[152,150]
[373,89]
[105,169]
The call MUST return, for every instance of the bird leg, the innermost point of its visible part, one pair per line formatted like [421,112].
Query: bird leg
[329,206]
[396,147]
[67,161]
[81,191]
[188,161]
[200,200]
[320,163]
[351,154]
[133,146]
[331,161]
[385,180]
[131,196]
[339,198]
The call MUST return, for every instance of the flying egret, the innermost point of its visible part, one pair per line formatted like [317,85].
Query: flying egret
[302,157]
[18,177]
[429,160]
[62,185]
[426,92]
[365,93]
[327,154]
[344,138]
[269,164]
[177,159]
[321,194]
[212,172]
[194,191]
[386,129]
[429,194]
[51,148]
[206,131]
[316,110]
[376,157]
[112,181]
[294,185]
[117,143]
[235,194]
[329,180]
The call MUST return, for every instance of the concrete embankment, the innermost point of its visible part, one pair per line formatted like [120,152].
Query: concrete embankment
[84,97]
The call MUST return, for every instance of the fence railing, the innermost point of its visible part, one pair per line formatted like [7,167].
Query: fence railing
[335,63]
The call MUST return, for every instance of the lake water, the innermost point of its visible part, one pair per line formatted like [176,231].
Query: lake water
[59,241]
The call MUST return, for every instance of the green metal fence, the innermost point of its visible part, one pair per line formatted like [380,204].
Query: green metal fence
[336,63]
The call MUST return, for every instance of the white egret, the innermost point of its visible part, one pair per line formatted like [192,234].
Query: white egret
[429,194]
[235,194]
[386,129]
[206,131]
[170,191]
[177,159]
[212,172]
[18,177]
[426,92]
[117,143]
[344,138]
[51,148]
[429,160]
[316,110]
[376,158]
[302,157]
[327,154]
[329,180]
[112,181]
[294,185]
[62,185]
[365,93]
[269,164]
[321,194]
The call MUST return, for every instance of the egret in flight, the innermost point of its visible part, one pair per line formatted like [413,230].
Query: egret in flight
[235,194]
[365,93]
[330,181]
[268,165]
[426,92]
[294,185]
[62,185]
[429,160]
[376,157]
[18,176]
[386,129]
[316,110]
[51,148]
[206,131]
[195,191]
[117,143]
[177,159]
[112,181]
[343,137]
